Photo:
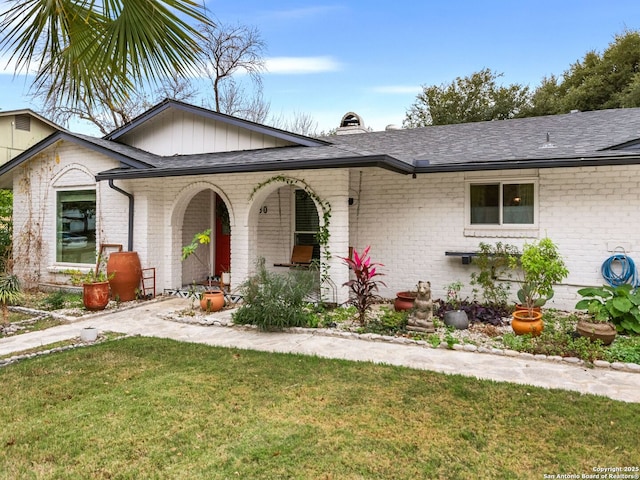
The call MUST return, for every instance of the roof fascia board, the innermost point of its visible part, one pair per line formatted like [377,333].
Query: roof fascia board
[524,164]
[381,161]
[221,117]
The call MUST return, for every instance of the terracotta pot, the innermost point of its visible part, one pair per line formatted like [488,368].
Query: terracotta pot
[524,322]
[404,301]
[212,301]
[127,275]
[457,319]
[605,332]
[95,296]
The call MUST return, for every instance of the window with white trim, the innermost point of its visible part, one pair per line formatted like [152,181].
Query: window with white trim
[307,222]
[505,203]
[76,226]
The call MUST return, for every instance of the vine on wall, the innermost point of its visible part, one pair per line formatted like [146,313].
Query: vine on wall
[323,234]
[29,248]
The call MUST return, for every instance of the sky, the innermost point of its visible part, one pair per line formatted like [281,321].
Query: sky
[372,58]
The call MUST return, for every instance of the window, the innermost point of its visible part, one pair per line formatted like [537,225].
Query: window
[502,203]
[76,226]
[307,223]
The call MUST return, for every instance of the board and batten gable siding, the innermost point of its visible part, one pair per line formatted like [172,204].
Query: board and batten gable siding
[176,132]
[14,141]
[411,223]
[58,168]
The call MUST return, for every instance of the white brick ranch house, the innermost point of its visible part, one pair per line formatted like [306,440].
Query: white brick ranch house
[411,194]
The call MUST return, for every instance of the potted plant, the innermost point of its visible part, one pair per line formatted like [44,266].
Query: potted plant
[95,285]
[609,309]
[212,299]
[542,267]
[454,315]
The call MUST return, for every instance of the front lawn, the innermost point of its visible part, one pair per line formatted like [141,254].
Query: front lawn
[154,408]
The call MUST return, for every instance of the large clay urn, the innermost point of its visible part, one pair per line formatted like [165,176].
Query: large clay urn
[125,273]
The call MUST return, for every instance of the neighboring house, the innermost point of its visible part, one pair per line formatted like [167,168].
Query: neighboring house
[411,194]
[21,129]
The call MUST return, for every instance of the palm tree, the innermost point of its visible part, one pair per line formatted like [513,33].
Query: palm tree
[79,45]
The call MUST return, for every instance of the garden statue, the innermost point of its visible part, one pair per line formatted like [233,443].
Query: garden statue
[421,319]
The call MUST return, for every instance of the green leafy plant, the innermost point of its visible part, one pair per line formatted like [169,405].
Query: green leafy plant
[364,286]
[495,267]
[624,349]
[274,301]
[389,322]
[10,292]
[453,299]
[618,305]
[542,267]
[94,275]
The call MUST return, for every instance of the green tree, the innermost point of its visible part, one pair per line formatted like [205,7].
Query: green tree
[474,98]
[6,229]
[598,81]
[83,45]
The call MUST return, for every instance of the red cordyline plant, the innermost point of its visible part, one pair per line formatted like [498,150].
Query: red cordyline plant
[364,285]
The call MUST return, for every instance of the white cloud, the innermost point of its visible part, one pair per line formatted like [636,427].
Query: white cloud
[398,89]
[301,65]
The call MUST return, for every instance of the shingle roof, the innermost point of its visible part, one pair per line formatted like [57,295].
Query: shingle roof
[582,138]
[573,135]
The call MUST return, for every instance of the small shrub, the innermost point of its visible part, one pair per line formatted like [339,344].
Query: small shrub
[389,322]
[624,349]
[495,264]
[275,301]
[364,286]
[55,300]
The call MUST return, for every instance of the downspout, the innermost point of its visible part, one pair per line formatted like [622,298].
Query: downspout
[130,196]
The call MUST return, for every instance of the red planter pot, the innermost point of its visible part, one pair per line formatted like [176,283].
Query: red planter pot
[404,301]
[95,296]
[127,273]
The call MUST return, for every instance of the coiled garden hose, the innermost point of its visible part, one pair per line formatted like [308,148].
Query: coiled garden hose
[619,269]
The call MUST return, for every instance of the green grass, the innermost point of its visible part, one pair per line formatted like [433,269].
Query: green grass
[153,408]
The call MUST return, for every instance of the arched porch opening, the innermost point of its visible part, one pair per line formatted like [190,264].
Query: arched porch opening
[198,209]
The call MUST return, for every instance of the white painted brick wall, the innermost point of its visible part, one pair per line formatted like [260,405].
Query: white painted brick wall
[408,222]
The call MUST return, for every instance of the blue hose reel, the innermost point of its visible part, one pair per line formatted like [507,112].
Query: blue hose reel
[619,269]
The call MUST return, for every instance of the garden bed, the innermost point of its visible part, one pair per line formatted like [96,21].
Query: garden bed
[558,341]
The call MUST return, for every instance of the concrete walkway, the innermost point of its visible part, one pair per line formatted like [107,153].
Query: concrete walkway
[146,320]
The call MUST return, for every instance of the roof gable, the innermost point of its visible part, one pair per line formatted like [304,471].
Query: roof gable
[176,128]
[28,111]
[127,156]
